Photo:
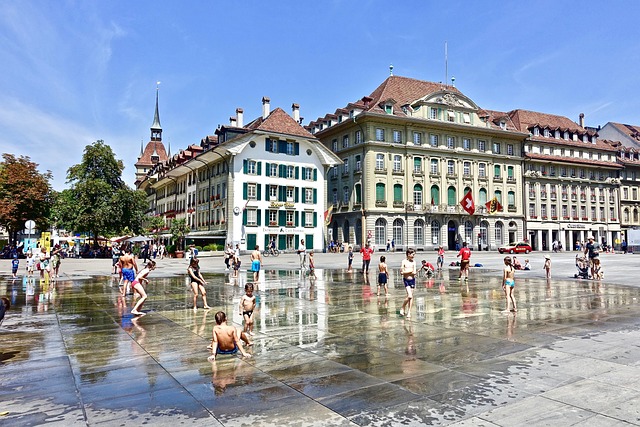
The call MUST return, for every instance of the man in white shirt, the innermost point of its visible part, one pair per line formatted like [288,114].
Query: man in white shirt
[302,253]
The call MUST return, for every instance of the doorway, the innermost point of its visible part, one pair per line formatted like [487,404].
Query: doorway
[452,235]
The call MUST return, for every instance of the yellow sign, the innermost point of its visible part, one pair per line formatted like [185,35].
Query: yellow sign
[45,242]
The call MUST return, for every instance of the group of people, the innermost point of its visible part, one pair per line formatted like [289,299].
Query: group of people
[47,264]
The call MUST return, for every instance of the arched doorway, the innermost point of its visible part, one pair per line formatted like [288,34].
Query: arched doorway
[513,232]
[334,232]
[452,235]
[359,232]
[345,232]
[483,241]
[380,232]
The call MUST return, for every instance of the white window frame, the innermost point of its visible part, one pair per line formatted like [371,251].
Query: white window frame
[379,162]
[397,163]
[397,136]
[417,138]
[252,191]
[308,195]
[379,134]
[252,167]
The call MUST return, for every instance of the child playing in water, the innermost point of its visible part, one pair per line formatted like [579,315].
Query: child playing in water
[547,266]
[350,258]
[197,283]
[383,275]
[226,339]
[138,288]
[508,284]
[247,305]
[598,274]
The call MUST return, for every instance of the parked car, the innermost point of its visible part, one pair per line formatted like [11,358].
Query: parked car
[515,248]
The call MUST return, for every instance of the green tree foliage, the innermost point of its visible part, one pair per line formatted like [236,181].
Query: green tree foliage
[99,201]
[179,229]
[25,194]
[154,226]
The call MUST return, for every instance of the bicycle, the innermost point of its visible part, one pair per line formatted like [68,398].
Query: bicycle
[272,251]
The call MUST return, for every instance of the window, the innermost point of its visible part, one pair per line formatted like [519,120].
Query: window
[511,199]
[252,167]
[417,165]
[418,232]
[252,217]
[289,216]
[498,195]
[466,118]
[496,171]
[251,191]
[273,217]
[532,210]
[345,141]
[358,165]
[272,145]
[536,131]
[433,140]
[417,138]
[334,171]
[308,219]
[380,192]
[358,137]
[290,194]
[452,200]
[482,170]
[496,148]
[510,173]
[499,233]
[434,166]
[451,167]
[273,192]
[566,135]
[388,108]
[417,195]
[335,196]
[510,149]
[345,166]
[546,133]
[397,163]
[290,149]
[358,191]
[466,168]
[466,144]
[273,169]
[435,233]
[398,231]
[308,174]
[397,136]
[345,195]
[435,195]
[308,195]
[397,193]
[482,145]
[290,172]
[433,113]
[482,197]
[379,162]
[381,232]
[379,134]
[451,142]
[451,116]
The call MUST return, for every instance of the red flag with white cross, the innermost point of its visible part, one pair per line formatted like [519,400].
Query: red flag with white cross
[467,203]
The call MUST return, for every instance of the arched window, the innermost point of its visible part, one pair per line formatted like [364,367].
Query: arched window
[345,195]
[398,231]
[435,233]
[381,232]
[511,199]
[380,192]
[358,191]
[435,195]
[345,232]
[635,215]
[397,193]
[417,195]
[468,232]
[418,232]
[499,233]
[498,195]
[482,197]
[626,215]
[451,196]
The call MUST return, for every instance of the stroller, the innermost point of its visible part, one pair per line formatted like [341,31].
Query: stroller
[583,268]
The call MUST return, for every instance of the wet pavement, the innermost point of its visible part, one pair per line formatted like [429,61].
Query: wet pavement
[327,351]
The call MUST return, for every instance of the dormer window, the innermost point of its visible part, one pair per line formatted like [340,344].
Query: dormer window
[536,131]
[451,116]
[433,113]
[503,125]
[546,133]
[593,139]
[566,135]
[388,108]
[585,138]
[557,134]
[466,117]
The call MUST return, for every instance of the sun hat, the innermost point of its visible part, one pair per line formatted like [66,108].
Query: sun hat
[590,238]
[547,257]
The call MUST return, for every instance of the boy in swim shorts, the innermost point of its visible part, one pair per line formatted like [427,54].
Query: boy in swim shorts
[247,305]
[226,339]
[408,271]
[256,262]
[508,284]
[383,275]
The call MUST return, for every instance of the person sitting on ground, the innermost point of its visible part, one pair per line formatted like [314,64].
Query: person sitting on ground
[516,264]
[527,265]
[598,273]
[226,339]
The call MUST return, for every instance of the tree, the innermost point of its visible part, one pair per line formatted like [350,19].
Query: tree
[179,229]
[154,226]
[102,202]
[25,194]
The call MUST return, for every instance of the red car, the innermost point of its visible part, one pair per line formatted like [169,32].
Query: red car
[516,248]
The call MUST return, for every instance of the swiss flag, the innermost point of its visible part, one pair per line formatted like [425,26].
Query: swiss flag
[467,203]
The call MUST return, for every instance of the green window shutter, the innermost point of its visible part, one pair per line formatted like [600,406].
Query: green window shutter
[297,172]
[267,238]
[451,196]
[259,168]
[282,218]
[435,195]
[282,242]
[259,219]
[308,241]
[296,241]
[267,145]
[282,193]
[296,193]
[282,170]
[295,219]
[303,172]
[267,169]
[380,192]
[510,171]
[245,166]
[397,193]
[251,241]
[244,217]
[244,191]
[315,219]
[358,194]
[282,146]
[296,148]
[258,191]
[315,195]
[315,174]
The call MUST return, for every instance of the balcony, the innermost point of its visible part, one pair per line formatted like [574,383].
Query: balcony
[417,173]
[512,208]
[398,204]
[381,203]
[483,178]
[380,170]
[397,172]
[497,179]
[511,179]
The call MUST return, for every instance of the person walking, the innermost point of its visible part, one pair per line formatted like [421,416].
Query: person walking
[465,257]
[302,253]
[366,258]
[408,271]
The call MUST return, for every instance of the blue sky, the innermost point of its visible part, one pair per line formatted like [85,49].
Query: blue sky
[77,71]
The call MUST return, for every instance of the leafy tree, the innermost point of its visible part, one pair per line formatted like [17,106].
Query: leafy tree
[99,201]
[154,226]
[179,229]
[25,194]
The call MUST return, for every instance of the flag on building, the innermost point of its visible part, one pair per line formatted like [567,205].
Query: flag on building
[327,216]
[467,203]
[493,206]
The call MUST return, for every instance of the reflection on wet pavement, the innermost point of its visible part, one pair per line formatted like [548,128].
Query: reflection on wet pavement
[327,351]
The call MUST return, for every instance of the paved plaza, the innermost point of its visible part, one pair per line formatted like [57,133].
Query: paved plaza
[327,351]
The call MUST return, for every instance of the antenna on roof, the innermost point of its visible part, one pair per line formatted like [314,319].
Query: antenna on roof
[391,69]
[446,65]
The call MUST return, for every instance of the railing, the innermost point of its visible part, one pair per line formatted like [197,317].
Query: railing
[381,203]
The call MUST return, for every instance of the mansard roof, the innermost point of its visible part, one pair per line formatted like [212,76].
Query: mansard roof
[279,121]
[631,131]
[572,160]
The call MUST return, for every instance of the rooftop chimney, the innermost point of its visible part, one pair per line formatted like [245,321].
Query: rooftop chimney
[240,117]
[232,121]
[581,120]
[296,112]
[266,108]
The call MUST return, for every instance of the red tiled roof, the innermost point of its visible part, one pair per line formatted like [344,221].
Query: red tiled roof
[279,121]
[403,91]
[572,160]
[158,147]
[630,130]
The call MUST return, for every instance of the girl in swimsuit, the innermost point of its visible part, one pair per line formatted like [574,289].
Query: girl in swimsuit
[508,284]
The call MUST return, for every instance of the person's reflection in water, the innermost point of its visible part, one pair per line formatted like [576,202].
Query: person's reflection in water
[511,326]
[228,372]
[410,351]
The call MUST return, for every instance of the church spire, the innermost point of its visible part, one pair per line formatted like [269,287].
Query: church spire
[156,129]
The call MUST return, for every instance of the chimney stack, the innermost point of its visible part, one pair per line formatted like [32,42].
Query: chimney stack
[295,108]
[266,108]
[240,117]
[581,120]
[232,121]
